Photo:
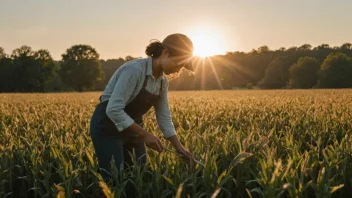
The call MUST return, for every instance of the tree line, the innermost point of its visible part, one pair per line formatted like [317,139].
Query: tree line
[81,69]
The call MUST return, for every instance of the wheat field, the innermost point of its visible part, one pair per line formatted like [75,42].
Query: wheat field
[254,143]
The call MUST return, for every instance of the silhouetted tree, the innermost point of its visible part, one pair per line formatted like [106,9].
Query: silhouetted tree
[263,49]
[80,68]
[346,46]
[292,49]
[2,53]
[129,58]
[276,75]
[47,66]
[23,51]
[322,47]
[336,71]
[27,70]
[303,74]
[305,47]
[5,72]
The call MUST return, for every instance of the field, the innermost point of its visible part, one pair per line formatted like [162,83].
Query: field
[293,143]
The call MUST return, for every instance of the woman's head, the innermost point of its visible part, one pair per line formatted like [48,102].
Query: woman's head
[173,54]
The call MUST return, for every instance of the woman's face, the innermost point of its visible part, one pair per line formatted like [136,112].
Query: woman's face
[169,64]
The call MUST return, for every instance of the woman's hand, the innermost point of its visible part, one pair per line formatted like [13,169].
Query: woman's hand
[187,155]
[152,141]
[137,132]
[181,150]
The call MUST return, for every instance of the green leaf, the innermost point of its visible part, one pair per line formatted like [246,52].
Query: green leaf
[335,188]
[240,157]
[221,176]
[168,180]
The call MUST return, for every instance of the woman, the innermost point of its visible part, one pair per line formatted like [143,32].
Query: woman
[117,126]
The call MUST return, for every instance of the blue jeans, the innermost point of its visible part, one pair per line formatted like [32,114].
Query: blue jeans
[108,142]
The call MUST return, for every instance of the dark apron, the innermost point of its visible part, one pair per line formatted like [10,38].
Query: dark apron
[108,141]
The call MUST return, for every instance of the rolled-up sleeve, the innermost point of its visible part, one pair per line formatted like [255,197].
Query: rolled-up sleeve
[163,114]
[123,90]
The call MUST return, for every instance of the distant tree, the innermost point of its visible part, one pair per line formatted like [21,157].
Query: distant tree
[253,51]
[2,53]
[6,72]
[26,72]
[23,51]
[47,67]
[305,47]
[303,74]
[80,68]
[322,47]
[56,84]
[292,49]
[276,75]
[336,71]
[263,49]
[42,55]
[249,86]
[30,70]
[129,58]
[346,46]
[109,67]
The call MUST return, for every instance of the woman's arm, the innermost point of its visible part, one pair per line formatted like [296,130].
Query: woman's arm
[148,138]
[175,142]
[123,90]
[180,149]
[163,116]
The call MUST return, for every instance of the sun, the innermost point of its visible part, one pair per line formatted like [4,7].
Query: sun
[207,42]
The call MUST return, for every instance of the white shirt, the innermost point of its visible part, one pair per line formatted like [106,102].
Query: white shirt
[124,86]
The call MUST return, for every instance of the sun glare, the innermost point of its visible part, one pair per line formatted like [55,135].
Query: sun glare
[207,42]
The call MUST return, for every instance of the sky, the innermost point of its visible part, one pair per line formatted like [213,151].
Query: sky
[117,28]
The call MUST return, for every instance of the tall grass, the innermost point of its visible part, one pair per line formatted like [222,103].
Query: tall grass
[293,143]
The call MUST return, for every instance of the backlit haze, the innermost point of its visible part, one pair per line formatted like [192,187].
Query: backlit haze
[117,28]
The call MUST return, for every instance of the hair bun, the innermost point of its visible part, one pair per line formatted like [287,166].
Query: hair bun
[154,49]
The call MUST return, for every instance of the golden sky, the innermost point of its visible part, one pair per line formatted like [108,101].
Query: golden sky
[117,28]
